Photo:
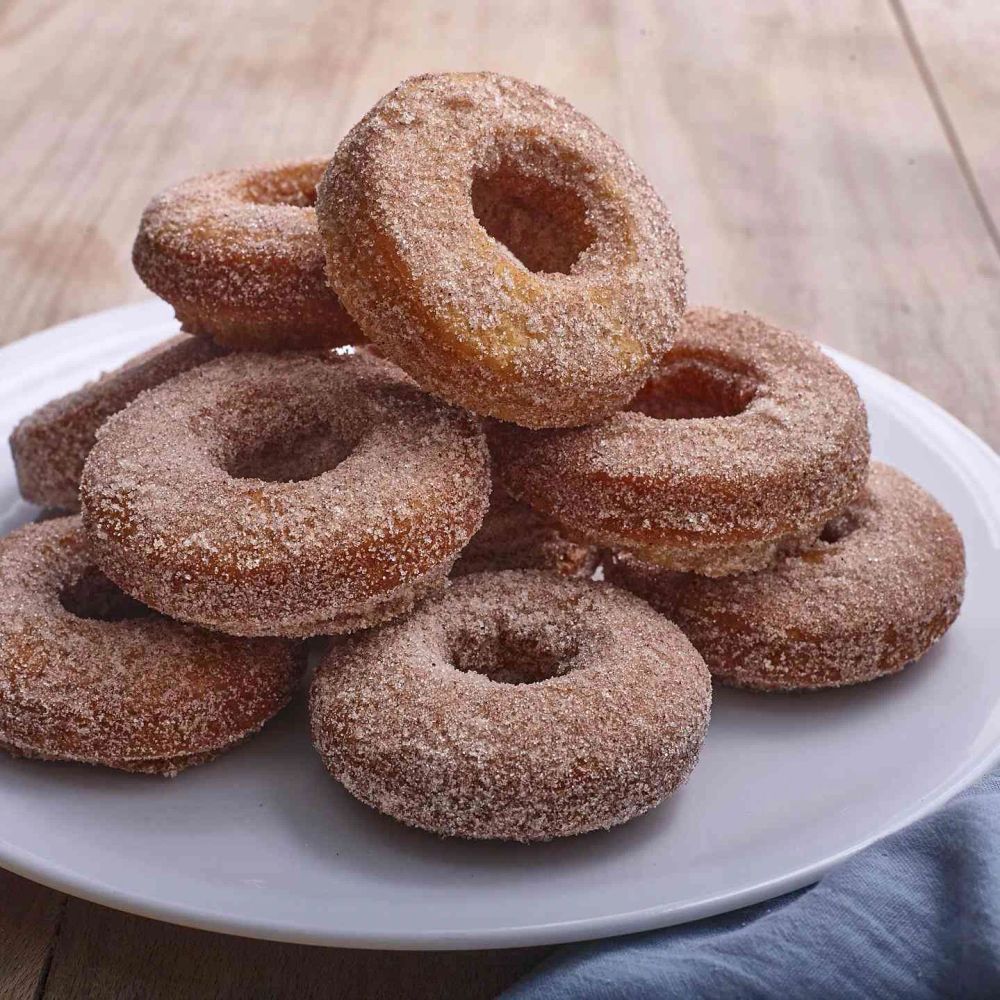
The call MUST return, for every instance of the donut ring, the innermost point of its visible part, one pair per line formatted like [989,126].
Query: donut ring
[513,536]
[880,586]
[237,255]
[515,706]
[88,675]
[284,494]
[774,444]
[501,249]
[50,445]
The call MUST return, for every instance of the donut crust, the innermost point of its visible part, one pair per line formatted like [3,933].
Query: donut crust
[288,494]
[514,536]
[237,254]
[50,445]
[141,693]
[879,587]
[420,208]
[746,440]
[515,706]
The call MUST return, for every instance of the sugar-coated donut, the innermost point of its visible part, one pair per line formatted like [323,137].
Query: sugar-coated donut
[89,675]
[284,494]
[746,438]
[880,586]
[517,706]
[50,445]
[514,536]
[238,256]
[501,249]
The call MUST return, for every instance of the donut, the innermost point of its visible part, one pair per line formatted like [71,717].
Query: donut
[517,705]
[87,674]
[745,439]
[237,255]
[883,582]
[50,445]
[513,536]
[291,494]
[501,249]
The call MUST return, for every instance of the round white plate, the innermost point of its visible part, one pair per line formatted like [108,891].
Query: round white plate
[262,842]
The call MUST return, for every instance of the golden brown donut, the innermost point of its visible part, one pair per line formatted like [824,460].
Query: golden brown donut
[87,674]
[238,256]
[513,536]
[290,494]
[880,586]
[515,706]
[501,249]
[50,445]
[746,438]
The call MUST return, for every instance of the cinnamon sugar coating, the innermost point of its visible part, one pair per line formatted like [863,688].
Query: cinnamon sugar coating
[50,445]
[130,689]
[516,706]
[873,593]
[501,249]
[183,512]
[237,255]
[746,439]
[514,536]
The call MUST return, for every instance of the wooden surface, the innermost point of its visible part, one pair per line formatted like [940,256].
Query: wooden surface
[831,166]
[958,44]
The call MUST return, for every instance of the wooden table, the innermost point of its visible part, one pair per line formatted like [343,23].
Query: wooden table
[837,170]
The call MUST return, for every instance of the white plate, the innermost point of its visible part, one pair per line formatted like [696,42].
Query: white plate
[263,843]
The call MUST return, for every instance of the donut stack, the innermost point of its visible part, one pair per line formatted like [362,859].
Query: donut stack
[426,388]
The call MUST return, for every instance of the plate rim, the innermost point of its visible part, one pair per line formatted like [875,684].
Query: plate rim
[142,317]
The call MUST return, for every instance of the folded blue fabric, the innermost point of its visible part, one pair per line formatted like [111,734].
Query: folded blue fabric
[916,915]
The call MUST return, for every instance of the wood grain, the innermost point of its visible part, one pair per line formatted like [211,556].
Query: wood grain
[102,953]
[29,920]
[803,149]
[805,166]
[959,42]
[812,183]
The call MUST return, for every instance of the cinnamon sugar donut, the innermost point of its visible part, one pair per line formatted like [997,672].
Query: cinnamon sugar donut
[515,706]
[501,249]
[880,586]
[513,536]
[238,256]
[89,675]
[746,438]
[50,445]
[284,494]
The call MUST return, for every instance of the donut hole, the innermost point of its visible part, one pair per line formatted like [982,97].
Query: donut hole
[93,596]
[543,223]
[278,460]
[509,657]
[294,185]
[693,387]
[838,528]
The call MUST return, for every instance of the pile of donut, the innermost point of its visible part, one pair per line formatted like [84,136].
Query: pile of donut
[426,389]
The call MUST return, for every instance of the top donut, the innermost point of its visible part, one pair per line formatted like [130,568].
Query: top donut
[501,249]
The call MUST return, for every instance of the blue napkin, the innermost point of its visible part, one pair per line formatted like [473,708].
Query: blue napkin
[916,915]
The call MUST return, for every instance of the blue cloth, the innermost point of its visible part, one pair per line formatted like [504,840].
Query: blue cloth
[916,915]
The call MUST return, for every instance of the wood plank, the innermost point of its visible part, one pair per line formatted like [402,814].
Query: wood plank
[102,953]
[811,183]
[29,920]
[802,160]
[959,43]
